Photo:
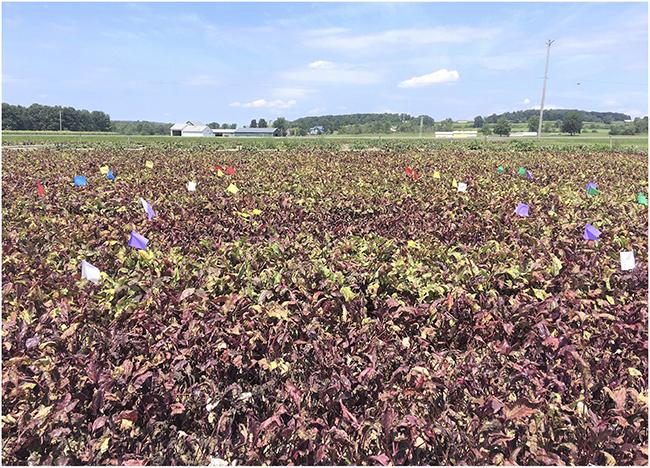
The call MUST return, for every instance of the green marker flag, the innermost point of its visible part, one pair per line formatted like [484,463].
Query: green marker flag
[500,170]
[521,171]
[641,199]
[592,191]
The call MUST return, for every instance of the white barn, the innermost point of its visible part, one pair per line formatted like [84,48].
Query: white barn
[191,129]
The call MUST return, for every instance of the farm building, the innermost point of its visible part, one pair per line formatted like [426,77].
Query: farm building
[191,129]
[223,132]
[317,130]
[257,132]
[457,134]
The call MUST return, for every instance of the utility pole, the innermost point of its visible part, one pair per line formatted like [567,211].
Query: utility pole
[421,117]
[541,107]
[60,122]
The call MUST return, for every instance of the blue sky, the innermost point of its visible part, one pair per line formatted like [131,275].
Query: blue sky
[234,62]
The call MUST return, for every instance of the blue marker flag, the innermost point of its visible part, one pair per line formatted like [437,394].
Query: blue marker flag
[80,181]
[110,175]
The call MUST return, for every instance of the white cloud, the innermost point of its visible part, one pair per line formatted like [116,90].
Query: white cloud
[399,37]
[322,71]
[322,65]
[263,103]
[526,101]
[440,76]
[325,31]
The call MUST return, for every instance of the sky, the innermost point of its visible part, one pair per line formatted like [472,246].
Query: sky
[232,62]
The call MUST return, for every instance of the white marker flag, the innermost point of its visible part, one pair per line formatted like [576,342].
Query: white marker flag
[191,186]
[627,261]
[462,187]
[89,272]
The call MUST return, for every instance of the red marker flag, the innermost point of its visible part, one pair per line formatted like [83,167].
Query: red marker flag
[40,188]
[218,168]
[229,170]
[408,171]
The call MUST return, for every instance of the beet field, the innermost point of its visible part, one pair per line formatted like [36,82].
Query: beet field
[311,302]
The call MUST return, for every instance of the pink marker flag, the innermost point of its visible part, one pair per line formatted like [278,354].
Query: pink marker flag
[138,241]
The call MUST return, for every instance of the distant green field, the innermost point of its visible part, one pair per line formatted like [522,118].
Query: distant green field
[600,138]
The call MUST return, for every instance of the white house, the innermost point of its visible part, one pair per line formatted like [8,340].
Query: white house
[191,129]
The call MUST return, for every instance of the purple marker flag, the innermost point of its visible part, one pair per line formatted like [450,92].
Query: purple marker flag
[529,175]
[138,241]
[591,185]
[591,233]
[522,210]
[147,209]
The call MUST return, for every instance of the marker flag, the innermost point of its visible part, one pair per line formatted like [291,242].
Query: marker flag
[110,175]
[232,188]
[592,189]
[522,210]
[219,173]
[90,272]
[529,175]
[591,233]
[230,171]
[149,164]
[408,171]
[641,199]
[103,170]
[436,175]
[138,241]
[462,187]
[40,189]
[500,170]
[218,168]
[80,181]
[148,209]
[521,171]
[191,186]
[454,183]
[627,261]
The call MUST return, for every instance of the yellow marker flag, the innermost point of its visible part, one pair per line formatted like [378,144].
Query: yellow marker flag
[103,170]
[256,212]
[436,175]
[232,188]
[219,173]
[149,164]
[454,183]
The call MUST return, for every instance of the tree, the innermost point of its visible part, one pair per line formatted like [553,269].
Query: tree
[572,123]
[446,125]
[533,123]
[213,125]
[281,124]
[486,130]
[233,126]
[641,125]
[478,122]
[225,125]
[502,127]
[253,124]
[262,124]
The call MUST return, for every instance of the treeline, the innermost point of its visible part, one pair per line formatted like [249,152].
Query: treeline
[363,123]
[38,117]
[140,127]
[558,114]
[630,128]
